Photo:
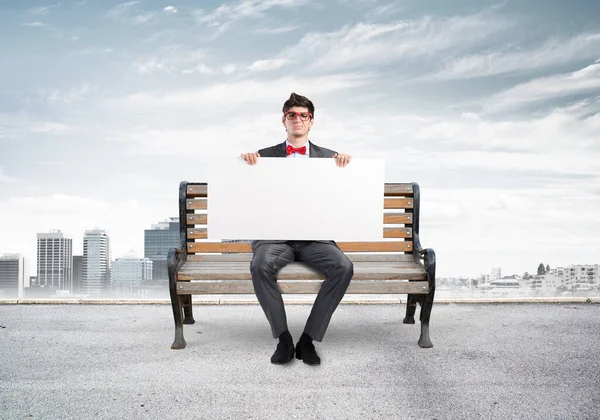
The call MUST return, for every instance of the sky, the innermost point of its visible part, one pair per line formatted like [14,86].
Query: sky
[492,107]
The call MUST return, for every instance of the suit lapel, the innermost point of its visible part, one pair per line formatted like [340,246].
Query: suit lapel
[279,150]
[314,151]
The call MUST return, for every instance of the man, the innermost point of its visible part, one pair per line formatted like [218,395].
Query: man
[325,256]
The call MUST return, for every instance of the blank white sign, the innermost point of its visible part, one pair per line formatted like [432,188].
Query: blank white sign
[296,199]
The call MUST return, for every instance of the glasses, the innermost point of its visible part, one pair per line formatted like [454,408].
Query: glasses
[304,116]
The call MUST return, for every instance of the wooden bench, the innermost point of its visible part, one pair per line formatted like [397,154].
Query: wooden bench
[397,264]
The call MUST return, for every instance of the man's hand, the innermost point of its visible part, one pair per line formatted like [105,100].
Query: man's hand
[251,158]
[342,160]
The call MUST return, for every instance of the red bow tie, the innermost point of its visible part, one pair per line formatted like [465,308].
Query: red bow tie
[291,149]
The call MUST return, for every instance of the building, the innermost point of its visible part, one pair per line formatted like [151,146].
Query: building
[128,273]
[584,276]
[54,261]
[578,277]
[546,282]
[496,274]
[77,273]
[12,276]
[157,242]
[95,278]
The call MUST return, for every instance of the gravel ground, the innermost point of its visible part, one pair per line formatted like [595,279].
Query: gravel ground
[491,361]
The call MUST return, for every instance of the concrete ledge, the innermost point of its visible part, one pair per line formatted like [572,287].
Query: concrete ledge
[294,301]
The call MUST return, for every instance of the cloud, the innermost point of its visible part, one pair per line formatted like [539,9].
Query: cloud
[121,9]
[36,24]
[6,179]
[130,12]
[386,10]
[552,53]
[199,68]
[170,9]
[51,127]
[227,14]
[371,44]
[153,65]
[43,10]
[236,93]
[229,69]
[143,18]
[266,65]
[584,81]
[168,60]
[74,95]
[277,31]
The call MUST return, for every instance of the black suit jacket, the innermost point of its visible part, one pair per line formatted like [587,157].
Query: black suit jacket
[279,151]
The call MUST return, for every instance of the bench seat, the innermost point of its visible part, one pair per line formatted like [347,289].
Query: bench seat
[381,277]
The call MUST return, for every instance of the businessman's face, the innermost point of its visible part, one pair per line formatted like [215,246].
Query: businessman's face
[297,121]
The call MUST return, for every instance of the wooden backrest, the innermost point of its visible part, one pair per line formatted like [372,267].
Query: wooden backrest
[400,222]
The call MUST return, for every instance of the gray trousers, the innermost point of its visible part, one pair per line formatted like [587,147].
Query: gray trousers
[326,258]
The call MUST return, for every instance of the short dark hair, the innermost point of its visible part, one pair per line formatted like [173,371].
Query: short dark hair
[299,100]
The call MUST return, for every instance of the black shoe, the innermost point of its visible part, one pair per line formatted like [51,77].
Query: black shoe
[283,354]
[307,353]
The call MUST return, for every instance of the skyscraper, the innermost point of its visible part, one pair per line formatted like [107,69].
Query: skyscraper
[77,273]
[95,280]
[157,242]
[12,275]
[54,261]
[128,273]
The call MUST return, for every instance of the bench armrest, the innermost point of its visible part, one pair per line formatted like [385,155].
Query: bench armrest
[176,257]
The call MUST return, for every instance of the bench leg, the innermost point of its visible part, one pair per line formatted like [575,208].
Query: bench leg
[176,300]
[427,300]
[411,307]
[427,303]
[186,301]
[179,342]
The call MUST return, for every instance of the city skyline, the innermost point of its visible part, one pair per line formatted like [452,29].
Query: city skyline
[491,106]
[166,224]
[130,276]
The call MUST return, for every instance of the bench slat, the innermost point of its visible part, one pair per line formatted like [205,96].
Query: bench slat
[194,191]
[247,257]
[398,203]
[308,287]
[197,219]
[299,271]
[388,203]
[202,233]
[390,246]
[397,218]
[388,219]
[196,204]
